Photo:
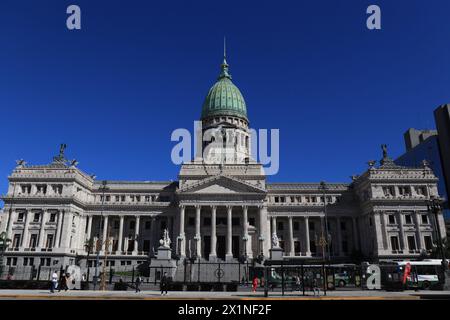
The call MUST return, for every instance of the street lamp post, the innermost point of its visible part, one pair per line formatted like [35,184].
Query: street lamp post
[101,241]
[326,238]
[434,206]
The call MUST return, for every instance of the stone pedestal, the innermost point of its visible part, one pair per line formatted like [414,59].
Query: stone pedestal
[162,263]
[164,253]
[276,253]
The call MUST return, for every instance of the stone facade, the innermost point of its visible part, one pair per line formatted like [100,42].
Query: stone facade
[215,211]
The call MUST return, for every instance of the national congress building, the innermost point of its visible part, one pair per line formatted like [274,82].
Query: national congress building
[216,211]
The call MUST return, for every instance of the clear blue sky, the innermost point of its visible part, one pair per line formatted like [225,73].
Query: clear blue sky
[114,91]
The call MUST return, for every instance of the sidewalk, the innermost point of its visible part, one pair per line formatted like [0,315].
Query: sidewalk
[195,295]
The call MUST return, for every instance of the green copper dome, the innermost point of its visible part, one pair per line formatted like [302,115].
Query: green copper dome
[224,98]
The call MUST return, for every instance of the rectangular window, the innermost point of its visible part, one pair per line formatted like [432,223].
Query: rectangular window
[132,225]
[122,198]
[147,198]
[251,221]
[191,221]
[47,262]
[207,221]
[52,217]
[14,261]
[428,243]
[33,241]
[421,191]
[8,262]
[280,225]
[41,189]
[16,241]
[391,219]
[116,224]
[394,243]
[117,198]
[235,221]
[26,188]
[146,247]
[425,219]
[57,188]
[412,243]
[49,243]
[404,191]
[388,191]
[36,217]
[20,216]
[25,261]
[148,224]
[296,226]
[408,219]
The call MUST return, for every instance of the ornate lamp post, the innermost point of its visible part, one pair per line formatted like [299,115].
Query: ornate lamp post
[326,237]
[434,206]
[102,241]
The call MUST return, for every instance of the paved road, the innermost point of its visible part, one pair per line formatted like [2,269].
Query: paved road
[183,295]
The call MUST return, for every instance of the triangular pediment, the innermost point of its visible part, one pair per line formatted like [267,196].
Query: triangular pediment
[221,185]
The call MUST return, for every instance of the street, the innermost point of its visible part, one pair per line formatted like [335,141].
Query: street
[185,295]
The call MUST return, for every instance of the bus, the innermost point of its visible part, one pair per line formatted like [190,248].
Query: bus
[423,275]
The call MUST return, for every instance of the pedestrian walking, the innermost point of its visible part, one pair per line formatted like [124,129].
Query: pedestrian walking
[164,284]
[298,283]
[254,284]
[316,287]
[63,282]
[137,283]
[54,282]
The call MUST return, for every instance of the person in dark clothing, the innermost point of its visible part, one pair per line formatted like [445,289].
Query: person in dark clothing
[137,283]
[164,284]
[63,282]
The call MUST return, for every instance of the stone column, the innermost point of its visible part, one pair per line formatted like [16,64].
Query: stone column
[136,234]
[213,253]
[264,232]
[307,241]
[355,234]
[339,235]
[403,242]
[274,225]
[12,217]
[420,241]
[120,240]
[153,233]
[25,230]
[58,229]
[245,230]
[89,227]
[291,237]
[105,232]
[229,252]
[198,237]
[378,232]
[42,231]
[181,236]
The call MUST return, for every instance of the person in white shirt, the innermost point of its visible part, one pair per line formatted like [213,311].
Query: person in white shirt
[54,282]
